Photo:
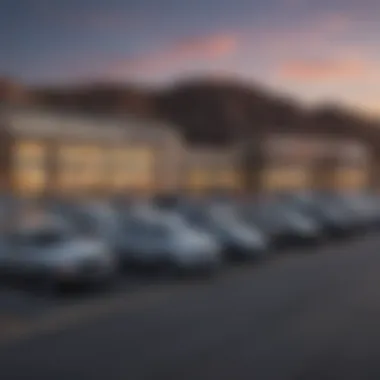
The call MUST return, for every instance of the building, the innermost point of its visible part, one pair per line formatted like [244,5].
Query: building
[289,162]
[206,168]
[72,154]
[296,162]
[285,162]
[46,152]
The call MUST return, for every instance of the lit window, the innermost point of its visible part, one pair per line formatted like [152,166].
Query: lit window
[29,167]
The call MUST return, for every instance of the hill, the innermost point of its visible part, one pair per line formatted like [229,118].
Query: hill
[205,110]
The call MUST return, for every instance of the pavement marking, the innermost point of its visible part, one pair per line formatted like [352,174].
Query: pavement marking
[70,316]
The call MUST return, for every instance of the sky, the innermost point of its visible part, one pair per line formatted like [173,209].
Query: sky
[315,51]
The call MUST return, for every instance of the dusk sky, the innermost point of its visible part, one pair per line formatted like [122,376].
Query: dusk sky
[314,50]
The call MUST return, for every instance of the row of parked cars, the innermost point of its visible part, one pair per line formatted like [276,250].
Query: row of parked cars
[67,242]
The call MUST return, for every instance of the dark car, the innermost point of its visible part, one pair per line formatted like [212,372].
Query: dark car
[283,223]
[331,211]
[365,208]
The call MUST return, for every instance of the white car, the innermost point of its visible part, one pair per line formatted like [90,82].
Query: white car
[56,255]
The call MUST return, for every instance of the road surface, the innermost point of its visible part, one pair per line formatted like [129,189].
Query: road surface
[314,314]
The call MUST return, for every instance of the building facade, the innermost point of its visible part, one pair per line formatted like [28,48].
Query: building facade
[210,168]
[47,152]
[296,162]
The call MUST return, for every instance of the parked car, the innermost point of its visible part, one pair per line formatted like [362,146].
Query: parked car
[52,254]
[334,216]
[239,240]
[364,207]
[95,218]
[151,238]
[284,224]
[348,216]
[373,203]
[142,235]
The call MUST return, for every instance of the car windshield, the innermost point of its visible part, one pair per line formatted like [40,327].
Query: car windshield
[213,219]
[291,212]
[337,203]
[176,223]
[225,216]
[267,212]
[42,238]
[302,203]
[272,214]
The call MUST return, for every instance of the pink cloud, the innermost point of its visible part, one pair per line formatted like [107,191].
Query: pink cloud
[317,70]
[207,48]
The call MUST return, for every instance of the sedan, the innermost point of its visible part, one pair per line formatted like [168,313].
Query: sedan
[53,255]
[155,239]
[239,240]
[282,223]
[332,215]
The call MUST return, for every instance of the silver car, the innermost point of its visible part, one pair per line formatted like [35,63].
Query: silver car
[238,239]
[152,238]
[56,255]
[283,223]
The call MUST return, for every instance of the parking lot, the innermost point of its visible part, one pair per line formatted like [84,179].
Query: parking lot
[20,303]
[309,313]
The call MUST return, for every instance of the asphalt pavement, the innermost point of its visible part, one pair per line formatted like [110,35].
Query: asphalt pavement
[310,314]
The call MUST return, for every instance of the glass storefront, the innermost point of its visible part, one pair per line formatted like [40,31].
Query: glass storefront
[80,167]
[286,178]
[130,168]
[29,170]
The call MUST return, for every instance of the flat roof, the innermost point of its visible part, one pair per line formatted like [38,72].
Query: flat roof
[48,123]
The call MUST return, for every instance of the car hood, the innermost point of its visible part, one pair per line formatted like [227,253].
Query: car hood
[73,251]
[193,241]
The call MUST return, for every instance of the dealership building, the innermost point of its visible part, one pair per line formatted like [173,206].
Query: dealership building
[61,153]
[46,152]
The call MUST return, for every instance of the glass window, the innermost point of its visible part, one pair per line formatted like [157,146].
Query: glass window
[81,166]
[29,166]
[131,167]
[229,179]
[286,178]
[199,179]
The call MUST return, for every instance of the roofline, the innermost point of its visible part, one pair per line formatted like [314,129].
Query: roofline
[115,122]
